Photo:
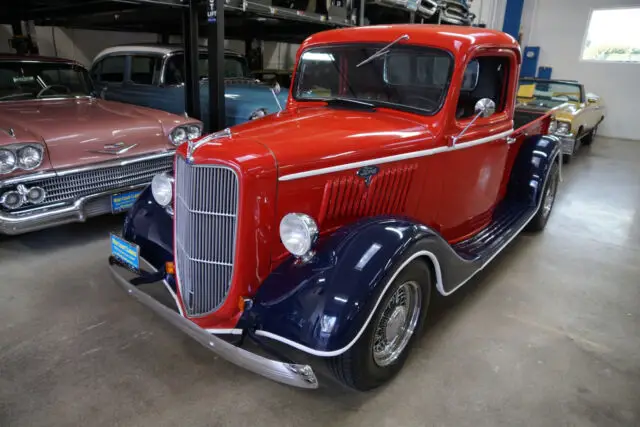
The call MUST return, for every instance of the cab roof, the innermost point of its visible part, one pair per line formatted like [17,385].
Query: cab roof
[453,38]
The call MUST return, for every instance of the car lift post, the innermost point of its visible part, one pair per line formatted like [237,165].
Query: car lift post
[215,46]
[191,52]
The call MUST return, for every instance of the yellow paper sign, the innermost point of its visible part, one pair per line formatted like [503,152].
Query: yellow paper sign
[526,91]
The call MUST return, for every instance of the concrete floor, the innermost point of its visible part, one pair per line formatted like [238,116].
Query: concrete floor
[549,335]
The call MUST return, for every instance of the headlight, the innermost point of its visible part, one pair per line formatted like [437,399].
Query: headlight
[7,161]
[184,133]
[178,135]
[193,132]
[162,189]
[29,157]
[563,128]
[260,112]
[298,233]
[553,126]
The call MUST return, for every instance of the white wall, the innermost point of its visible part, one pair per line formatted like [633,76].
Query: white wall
[489,12]
[559,27]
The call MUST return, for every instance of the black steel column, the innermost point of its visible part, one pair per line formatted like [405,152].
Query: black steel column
[361,13]
[190,41]
[215,32]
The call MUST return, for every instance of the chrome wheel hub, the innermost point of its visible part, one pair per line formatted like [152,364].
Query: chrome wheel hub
[396,325]
[549,197]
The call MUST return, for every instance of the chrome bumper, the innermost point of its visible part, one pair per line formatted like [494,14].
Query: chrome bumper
[286,373]
[568,144]
[45,217]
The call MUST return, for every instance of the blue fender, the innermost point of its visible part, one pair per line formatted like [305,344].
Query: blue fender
[148,225]
[531,167]
[323,306]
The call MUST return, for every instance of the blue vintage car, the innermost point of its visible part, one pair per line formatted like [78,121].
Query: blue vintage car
[153,75]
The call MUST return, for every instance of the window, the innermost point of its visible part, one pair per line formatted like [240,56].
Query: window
[145,69]
[613,35]
[30,79]
[110,69]
[484,77]
[406,78]
[234,67]
[549,94]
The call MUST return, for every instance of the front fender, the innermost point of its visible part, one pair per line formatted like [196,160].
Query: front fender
[149,226]
[323,306]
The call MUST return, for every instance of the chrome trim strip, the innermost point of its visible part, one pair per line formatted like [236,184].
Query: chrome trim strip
[439,286]
[287,373]
[112,163]
[394,158]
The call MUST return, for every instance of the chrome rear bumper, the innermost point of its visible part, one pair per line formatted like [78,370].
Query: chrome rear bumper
[286,373]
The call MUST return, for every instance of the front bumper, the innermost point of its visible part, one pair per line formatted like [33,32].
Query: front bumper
[287,373]
[45,217]
[568,144]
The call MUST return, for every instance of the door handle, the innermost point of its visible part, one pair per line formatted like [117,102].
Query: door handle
[511,140]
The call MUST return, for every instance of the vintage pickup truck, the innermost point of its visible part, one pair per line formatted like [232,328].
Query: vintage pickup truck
[320,233]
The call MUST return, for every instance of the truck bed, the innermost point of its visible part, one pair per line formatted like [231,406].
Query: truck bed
[523,117]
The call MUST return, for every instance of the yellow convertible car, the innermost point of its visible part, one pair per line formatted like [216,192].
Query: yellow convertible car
[578,114]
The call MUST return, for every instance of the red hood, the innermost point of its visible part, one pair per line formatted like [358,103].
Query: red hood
[74,130]
[315,138]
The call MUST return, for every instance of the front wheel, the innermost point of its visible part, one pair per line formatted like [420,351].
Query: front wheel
[539,221]
[384,346]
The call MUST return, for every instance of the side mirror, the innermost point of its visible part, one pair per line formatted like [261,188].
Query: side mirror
[592,100]
[483,108]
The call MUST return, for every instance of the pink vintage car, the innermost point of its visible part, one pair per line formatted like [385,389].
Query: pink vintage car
[66,155]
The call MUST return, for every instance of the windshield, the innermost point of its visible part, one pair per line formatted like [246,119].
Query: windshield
[407,77]
[32,79]
[547,94]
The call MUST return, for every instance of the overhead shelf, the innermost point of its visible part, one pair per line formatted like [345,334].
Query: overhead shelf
[268,11]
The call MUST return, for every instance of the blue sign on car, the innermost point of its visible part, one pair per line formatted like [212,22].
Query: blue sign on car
[126,252]
[124,201]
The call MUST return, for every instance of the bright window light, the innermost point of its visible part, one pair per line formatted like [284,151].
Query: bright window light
[613,35]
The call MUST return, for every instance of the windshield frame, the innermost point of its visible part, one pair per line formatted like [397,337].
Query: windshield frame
[377,103]
[529,80]
[84,71]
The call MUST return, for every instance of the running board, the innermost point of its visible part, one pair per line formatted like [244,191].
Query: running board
[508,220]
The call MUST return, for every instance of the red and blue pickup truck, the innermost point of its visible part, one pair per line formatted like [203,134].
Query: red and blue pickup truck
[319,234]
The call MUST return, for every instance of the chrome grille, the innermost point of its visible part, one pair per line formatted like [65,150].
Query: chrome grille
[206,208]
[70,187]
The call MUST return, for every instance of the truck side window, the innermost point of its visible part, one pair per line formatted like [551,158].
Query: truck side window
[110,69]
[485,77]
[145,70]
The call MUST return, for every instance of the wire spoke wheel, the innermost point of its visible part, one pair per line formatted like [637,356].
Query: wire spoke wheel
[397,323]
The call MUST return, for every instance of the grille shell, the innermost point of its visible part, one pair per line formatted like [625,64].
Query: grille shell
[206,208]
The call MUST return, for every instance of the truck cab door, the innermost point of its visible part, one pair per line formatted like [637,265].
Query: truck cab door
[478,146]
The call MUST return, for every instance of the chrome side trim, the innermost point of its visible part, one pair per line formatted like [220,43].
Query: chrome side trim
[395,158]
[439,286]
[287,373]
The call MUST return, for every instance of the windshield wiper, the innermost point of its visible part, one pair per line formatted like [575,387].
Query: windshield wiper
[347,102]
[384,50]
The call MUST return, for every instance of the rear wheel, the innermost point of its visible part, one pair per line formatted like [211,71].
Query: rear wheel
[384,346]
[549,192]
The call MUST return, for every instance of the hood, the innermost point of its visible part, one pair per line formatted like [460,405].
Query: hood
[75,131]
[314,138]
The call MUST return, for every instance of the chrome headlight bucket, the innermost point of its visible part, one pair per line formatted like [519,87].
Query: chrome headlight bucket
[563,128]
[298,233]
[184,133]
[258,114]
[21,156]
[162,189]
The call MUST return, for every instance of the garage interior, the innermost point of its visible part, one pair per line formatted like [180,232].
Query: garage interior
[548,334]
